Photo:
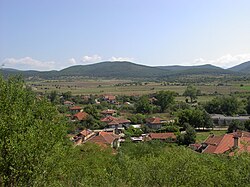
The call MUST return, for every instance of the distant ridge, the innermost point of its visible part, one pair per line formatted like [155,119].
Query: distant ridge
[181,68]
[244,67]
[122,69]
[128,70]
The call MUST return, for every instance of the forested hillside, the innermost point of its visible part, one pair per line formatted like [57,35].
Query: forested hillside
[113,69]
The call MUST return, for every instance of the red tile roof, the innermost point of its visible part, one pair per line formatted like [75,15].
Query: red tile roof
[104,138]
[114,121]
[224,143]
[162,136]
[68,103]
[80,116]
[86,132]
[75,108]
[154,120]
[109,97]
[108,119]
[109,111]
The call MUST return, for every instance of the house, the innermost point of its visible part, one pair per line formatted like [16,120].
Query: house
[68,103]
[75,109]
[152,100]
[106,139]
[221,120]
[109,98]
[114,122]
[86,97]
[80,116]
[83,136]
[155,122]
[238,141]
[168,136]
[108,112]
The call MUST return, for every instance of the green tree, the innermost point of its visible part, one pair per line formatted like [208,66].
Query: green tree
[235,125]
[188,137]
[191,92]
[164,99]
[248,105]
[92,110]
[143,105]
[31,136]
[53,96]
[137,118]
[67,95]
[247,125]
[197,118]
[228,105]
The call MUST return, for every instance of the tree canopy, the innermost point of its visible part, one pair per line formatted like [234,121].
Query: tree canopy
[197,118]
[191,91]
[143,105]
[31,136]
[164,99]
[228,105]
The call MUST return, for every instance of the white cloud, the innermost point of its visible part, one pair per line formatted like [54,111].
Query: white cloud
[72,61]
[121,59]
[28,63]
[225,61]
[91,59]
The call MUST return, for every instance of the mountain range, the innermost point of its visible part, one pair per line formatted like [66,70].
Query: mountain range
[126,69]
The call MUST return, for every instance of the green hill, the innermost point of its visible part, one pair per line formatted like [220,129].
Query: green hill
[114,69]
[131,70]
[243,68]
[184,68]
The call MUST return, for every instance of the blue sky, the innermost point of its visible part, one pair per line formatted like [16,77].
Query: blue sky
[53,34]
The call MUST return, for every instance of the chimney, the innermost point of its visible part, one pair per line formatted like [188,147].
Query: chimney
[236,141]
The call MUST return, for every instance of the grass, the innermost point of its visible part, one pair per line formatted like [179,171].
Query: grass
[246,88]
[88,86]
[201,136]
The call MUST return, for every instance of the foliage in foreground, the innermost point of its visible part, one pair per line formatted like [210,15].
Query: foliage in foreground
[153,164]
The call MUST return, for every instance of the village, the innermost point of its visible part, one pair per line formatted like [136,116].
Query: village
[117,128]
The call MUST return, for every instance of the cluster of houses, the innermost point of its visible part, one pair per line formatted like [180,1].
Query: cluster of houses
[113,134]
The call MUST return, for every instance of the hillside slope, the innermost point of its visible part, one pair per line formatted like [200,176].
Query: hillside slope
[244,67]
[113,69]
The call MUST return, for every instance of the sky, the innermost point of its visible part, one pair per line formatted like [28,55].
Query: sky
[54,34]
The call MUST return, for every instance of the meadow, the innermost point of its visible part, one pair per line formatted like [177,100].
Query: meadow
[128,87]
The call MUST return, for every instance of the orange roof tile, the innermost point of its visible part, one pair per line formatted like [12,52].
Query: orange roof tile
[81,116]
[154,120]
[75,108]
[68,102]
[222,144]
[109,97]
[104,138]
[109,111]
[108,119]
[85,132]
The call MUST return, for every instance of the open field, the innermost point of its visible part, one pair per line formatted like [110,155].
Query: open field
[127,87]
